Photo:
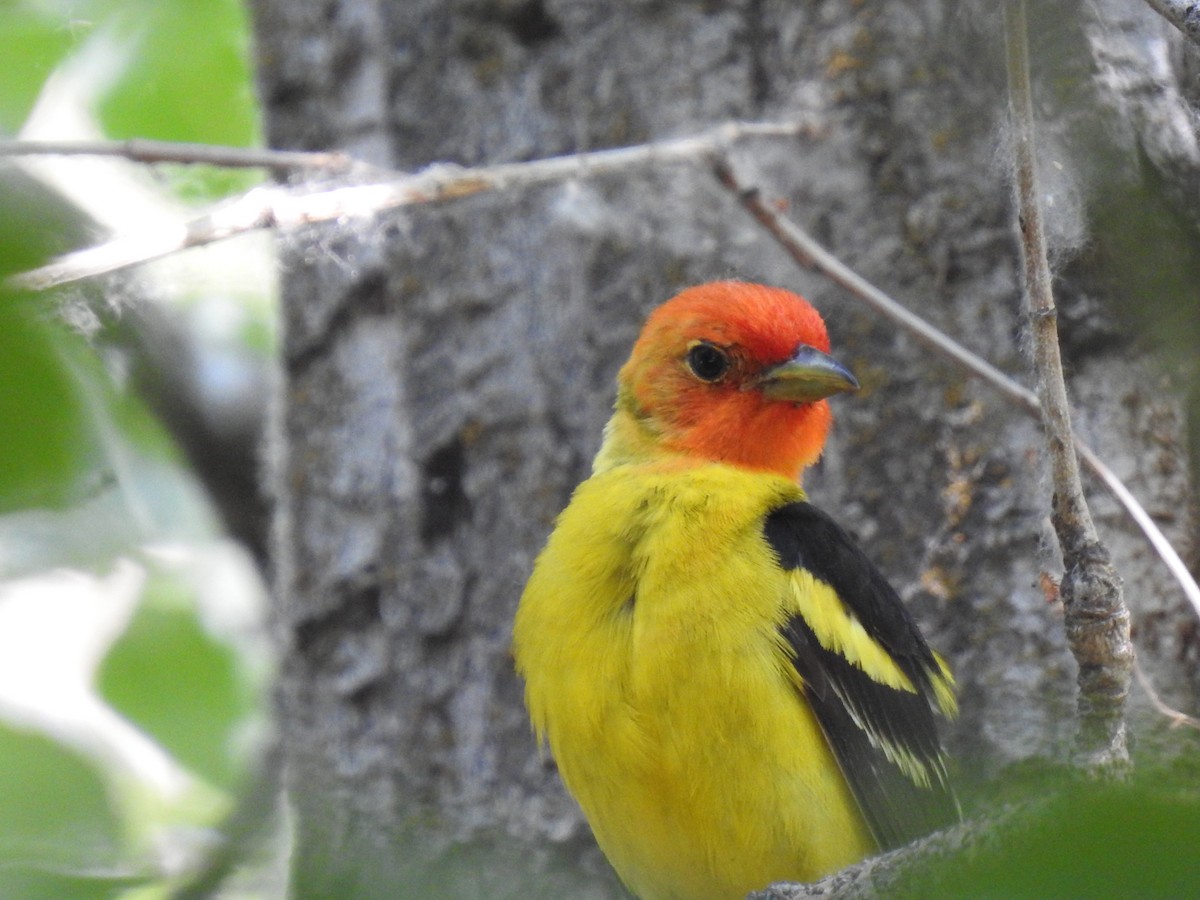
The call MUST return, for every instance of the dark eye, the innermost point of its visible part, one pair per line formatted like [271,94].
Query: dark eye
[707,362]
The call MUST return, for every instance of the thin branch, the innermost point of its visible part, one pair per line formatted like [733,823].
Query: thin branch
[250,212]
[285,207]
[142,150]
[1158,540]
[1178,719]
[1056,417]
[891,874]
[812,256]
[267,207]
[1096,618]
[1183,15]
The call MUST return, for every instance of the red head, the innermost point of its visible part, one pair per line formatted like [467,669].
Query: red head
[729,372]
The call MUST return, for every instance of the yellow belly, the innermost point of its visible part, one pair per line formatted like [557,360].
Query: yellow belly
[727,799]
[648,639]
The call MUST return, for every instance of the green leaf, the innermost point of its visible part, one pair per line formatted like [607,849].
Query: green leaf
[55,815]
[43,419]
[28,883]
[31,45]
[1091,840]
[182,686]
[174,70]
[42,416]
[188,78]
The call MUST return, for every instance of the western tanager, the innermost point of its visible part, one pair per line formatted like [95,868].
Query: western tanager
[731,690]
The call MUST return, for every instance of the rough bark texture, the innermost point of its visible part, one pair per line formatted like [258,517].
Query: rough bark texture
[1096,619]
[447,371]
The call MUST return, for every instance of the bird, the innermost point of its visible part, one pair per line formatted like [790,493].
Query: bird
[730,688]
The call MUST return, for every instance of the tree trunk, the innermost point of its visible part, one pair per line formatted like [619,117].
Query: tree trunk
[447,371]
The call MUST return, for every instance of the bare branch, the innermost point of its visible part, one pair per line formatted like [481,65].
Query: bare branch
[284,207]
[812,256]
[1142,519]
[1183,15]
[884,875]
[1178,719]
[250,212]
[1096,618]
[142,150]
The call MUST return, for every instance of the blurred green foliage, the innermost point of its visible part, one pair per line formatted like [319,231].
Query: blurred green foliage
[59,834]
[56,806]
[40,409]
[77,816]
[175,70]
[1082,839]
[189,705]
[188,75]
[32,42]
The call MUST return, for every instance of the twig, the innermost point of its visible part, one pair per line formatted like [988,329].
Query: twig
[284,207]
[250,212]
[1158,540]
[812,256]
[1178,719]
[1183,15]
[267,207]
[891,874]
[1096,618]
[143,150]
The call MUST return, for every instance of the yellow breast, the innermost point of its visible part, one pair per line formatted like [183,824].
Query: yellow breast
[648,640]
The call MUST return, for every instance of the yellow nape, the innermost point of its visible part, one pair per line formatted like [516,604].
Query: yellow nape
[648,640]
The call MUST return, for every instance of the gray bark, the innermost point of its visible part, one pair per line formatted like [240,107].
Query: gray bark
[447,371]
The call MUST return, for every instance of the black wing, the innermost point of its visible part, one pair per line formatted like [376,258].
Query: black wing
[884,737]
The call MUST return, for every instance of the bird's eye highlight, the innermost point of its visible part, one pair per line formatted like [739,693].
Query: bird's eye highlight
[707,361]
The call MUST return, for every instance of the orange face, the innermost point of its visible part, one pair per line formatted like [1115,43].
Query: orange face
[736,373]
